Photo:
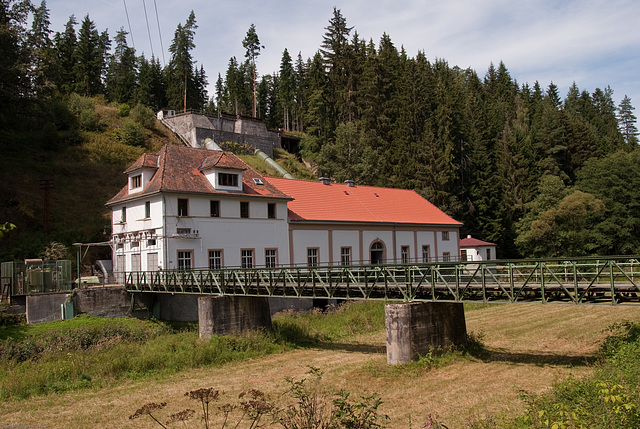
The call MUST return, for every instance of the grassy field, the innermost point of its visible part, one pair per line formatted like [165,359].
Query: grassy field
[527,348]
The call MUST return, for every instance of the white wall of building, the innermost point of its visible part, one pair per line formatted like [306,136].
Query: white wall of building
[142,243]
[480,253]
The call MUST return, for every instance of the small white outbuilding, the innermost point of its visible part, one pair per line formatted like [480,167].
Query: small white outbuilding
[472,249]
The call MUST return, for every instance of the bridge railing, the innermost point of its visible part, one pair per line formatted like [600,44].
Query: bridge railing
[580,280]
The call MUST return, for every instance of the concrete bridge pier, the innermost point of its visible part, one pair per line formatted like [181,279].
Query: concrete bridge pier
[415,328]
[222,315]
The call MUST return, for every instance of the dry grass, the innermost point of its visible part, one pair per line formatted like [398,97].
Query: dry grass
[531,347]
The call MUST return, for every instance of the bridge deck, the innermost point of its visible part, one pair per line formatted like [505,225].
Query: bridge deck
[612,280]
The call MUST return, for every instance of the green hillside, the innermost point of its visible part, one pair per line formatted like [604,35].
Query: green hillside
[84,166]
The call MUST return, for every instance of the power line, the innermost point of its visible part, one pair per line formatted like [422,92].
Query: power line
[144,4]
[129,22]
[164,63]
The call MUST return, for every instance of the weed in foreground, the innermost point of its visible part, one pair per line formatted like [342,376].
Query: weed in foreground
[313,407]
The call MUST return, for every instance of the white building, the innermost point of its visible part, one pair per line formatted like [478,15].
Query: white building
[472,249]
[193,208]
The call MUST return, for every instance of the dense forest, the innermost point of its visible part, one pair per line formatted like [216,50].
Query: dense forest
[522,167]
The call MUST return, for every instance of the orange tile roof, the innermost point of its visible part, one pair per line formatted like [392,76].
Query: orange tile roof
[179,170]
[315,201]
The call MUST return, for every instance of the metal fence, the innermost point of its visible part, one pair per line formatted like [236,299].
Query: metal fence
[35,276]
[611,280]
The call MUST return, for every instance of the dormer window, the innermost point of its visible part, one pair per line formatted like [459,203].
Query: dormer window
[224,171]
[228,179]
[136,181]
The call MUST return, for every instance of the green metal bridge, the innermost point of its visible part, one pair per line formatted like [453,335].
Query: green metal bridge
[601,280]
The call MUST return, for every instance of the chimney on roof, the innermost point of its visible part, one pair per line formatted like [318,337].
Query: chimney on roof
[325,180]
[350,183]
[469,236]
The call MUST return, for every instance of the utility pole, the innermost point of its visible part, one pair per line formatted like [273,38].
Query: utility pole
[46,185]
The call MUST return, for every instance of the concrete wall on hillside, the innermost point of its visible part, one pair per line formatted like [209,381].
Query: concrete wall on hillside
[42,308]
[195,129]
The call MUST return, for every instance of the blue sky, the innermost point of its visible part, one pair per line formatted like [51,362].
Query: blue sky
[592,42]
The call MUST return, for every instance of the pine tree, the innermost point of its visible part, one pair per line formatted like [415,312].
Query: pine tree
[286,88]
[65,46]
[335,51]
[14,60]
[122,74]
[43,63]
[183,89]
[90,59]
[151,86]
[627,121]
[252,45]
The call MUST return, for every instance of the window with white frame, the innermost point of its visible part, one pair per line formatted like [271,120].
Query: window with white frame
[270,258]
[312,256]
[404,254]
[228,179]
[215,259]
[185,259]
[247,258]
[136,181]
[426,253]
[345,255]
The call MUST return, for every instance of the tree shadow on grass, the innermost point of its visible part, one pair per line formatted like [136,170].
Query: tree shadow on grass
[532,358]
[353,348]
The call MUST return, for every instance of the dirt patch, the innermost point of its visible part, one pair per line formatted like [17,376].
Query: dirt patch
[530,348]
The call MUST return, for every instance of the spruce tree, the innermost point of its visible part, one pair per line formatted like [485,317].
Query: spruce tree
[286,89]
[627,121]
[122,75]
[89,59]
[184,89]
[65,47]
[252,45]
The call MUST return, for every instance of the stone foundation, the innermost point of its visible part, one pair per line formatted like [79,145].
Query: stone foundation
[415,328]
[222,315]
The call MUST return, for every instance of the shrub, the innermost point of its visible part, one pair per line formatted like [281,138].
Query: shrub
[144,116]
[77,104]
[131,133]
[123,110]
[88,120]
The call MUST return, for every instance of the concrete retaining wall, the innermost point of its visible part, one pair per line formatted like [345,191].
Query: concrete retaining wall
[196,129]
[42,308]
[221,315]
[102,301]
[415,328]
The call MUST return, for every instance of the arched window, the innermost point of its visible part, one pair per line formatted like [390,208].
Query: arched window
[377,253]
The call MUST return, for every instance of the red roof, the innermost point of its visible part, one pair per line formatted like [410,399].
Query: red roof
[225,160]
[179,170]
[145,161]
[474,242]
[315,201]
